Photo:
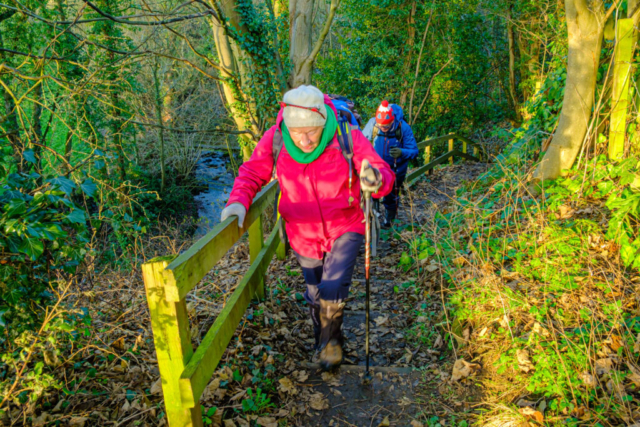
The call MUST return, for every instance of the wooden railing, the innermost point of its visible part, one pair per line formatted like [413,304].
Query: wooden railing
[168,280]
[478,154]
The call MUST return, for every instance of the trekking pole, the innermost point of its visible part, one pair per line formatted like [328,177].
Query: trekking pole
[367,265]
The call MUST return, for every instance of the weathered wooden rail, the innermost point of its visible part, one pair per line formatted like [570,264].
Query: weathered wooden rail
[452,138]
[184,372]
[168,280]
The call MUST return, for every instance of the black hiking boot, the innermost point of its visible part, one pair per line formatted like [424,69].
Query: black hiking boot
[330,334]
[390,217]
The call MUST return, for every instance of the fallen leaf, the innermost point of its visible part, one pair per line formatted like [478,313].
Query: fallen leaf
[41,420]
[523,403]
[439,342]
[524,362]
[286,386]
[588,379]
[385,422]
[415,423]
[281,413]
[229,423]
[51,358]
[462,369]
[318,402]
[634,376]
[58,406]
[238,395]
[616,343]
[156,388]
[381,320]
[267,422]
[565,211]
[532,414]
[242,422]
[331,379]
[125,407]
[210,390]
[77,421]
[220,393]
[118,344]
[604,365]
[301,376]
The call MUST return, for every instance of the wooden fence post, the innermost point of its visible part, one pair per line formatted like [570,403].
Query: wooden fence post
[451,149]
[256,242]
[623,56]
[427,156]
[464,147]
[172,339]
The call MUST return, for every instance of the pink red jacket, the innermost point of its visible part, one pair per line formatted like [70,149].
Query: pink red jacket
[314,197]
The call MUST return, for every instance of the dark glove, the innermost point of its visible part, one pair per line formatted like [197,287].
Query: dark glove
[370,177]
[395,152]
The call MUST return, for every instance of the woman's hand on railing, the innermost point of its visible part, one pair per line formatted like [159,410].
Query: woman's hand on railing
[370,177]
[236,209]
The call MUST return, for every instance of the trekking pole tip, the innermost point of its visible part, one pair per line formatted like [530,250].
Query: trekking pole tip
[367,378]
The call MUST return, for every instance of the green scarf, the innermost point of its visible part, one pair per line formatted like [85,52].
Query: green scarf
[328,132]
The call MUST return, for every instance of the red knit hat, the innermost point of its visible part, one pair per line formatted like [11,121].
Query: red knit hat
[384,115]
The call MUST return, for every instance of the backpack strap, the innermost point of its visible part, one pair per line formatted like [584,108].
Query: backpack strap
[275,150]
[345,139]
[376,132]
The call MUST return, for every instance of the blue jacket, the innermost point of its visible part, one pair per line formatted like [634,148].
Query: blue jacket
[388,140]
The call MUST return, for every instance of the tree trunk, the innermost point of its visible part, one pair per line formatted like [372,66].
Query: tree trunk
[585,26]
[37,126]
[300,35]
[512,69]
[622,73]
[232,88]
[158,102]
[302,53]
[9,123]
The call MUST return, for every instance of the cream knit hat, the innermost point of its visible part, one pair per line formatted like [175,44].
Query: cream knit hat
[313,113]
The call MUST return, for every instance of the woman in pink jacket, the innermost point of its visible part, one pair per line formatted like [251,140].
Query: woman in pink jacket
[321,210]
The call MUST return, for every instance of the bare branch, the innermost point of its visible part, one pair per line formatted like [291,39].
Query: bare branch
[30,55]
[429,88]
[149,23]
[106,17]
[611,9]
[229,132]
[415,78]
[323,34]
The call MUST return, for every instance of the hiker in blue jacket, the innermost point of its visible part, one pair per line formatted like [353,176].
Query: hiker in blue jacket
[393,140]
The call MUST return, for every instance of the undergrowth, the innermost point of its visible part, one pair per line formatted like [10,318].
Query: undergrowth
[542,290]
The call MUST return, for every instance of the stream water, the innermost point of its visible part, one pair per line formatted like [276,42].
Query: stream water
[212,171]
